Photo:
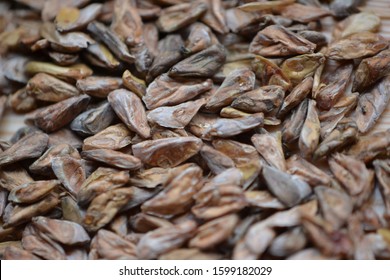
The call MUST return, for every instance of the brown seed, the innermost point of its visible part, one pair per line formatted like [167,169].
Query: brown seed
[214,232]
[288,243]
[130,110]
[336,206]
[69,19]
[382,172]
[15,253]
[371,105]
[110,246]
[170,52]
[12,176]
[94,119]
[230,127]
[111,40]
[43,164]
[165,239]
[100,181]
[177,196]
[341,136]
[330,119]
[296,96]
[292,126]
[21,102]
[307,172]
[203,64]
[32,192]
[220,196]
[299,67]
[71,74]
[354,176]
[165,91]
[267,100]
[270,148]
[134,84]
[64,232]
[245,157]
[176,116]
[113,137]
[287,188]
[180,15]
[304,13]
[310,133]
[58,115]
[331,88]
[70,171]
[216,160]
[235,83]
[105,206]
[168,152]
[276,40]
[358,45]
[30,146]
[18,214]
[200,37]
[113,158]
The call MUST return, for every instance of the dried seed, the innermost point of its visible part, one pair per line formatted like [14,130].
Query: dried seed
[64,232]
[97,86]
[299,67]
[130,110]
[134,84]
[165,91]
[340,137]
[288,189]
[18,214]
[177,116]
[30,146]
[276,40]
[371,69]
[288,243]
[330,119]
[111,40]
[354,176]
[369,147]
[270,148]
[168,152]
[292,127]
[235,83]
[113,137]
[32,192]
[296,96]
[202,64]
[214,232]
[180,15]
[336,206]
[113,158]
[60,114]
[70,171]
[331,88]
[177,196]
[371,105]
[105,206]
[69,19]
[165,239]
[307,172]
[93,120]
[310,133]
[230,127]
[99,182]
[358,45]
[110,246]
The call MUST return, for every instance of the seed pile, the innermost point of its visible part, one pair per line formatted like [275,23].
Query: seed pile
[205,129]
